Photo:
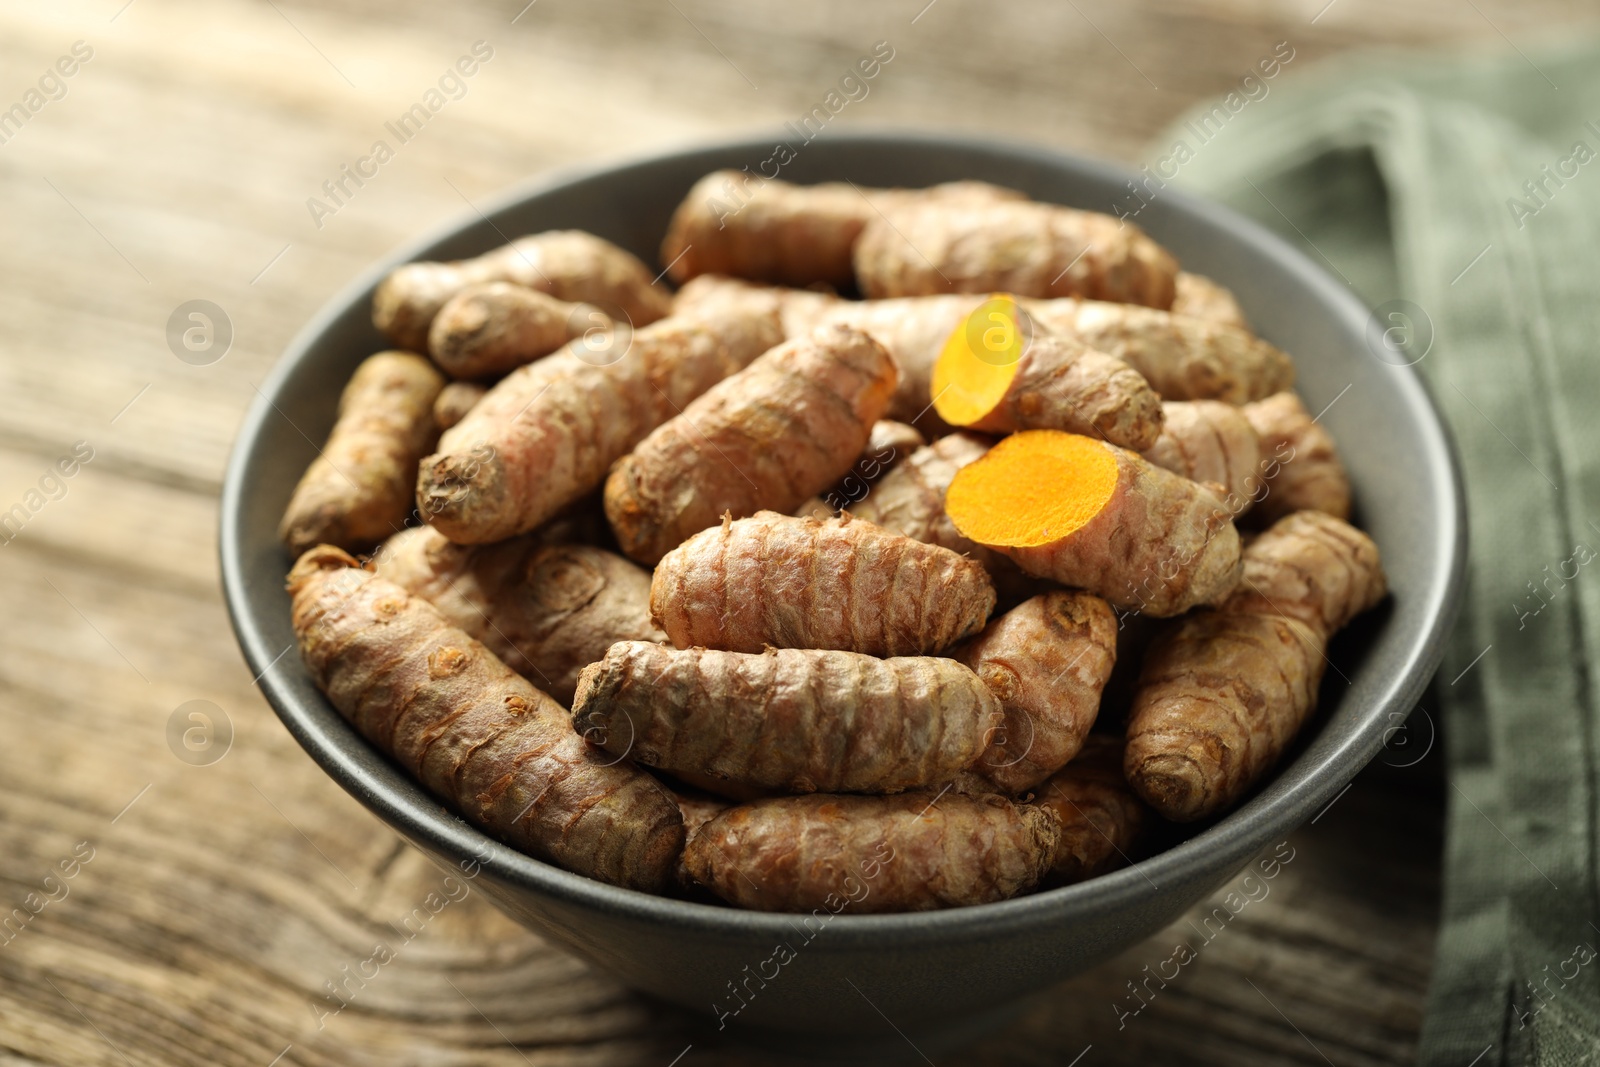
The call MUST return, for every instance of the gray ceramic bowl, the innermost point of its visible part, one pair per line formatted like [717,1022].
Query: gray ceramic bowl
[933,972]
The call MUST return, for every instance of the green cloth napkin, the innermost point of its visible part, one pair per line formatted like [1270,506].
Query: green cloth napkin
[1469,185]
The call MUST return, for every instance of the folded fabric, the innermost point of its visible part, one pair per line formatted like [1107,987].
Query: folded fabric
[1469,185]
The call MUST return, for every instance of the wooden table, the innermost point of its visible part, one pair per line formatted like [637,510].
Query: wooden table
[210,899]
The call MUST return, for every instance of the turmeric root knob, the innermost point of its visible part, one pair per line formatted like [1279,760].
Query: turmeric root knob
[997,374]
[358,489]
[781,430]
[1096,517]
[989,245]
[1047,660]
[1224,692]
[1306,474]
[817,583]
[568,264]
[489,329]
[1198,297]
[454,401]
[792,719]
[546,435]
[474,733]
[1209,441]
[547,610]
[912,852]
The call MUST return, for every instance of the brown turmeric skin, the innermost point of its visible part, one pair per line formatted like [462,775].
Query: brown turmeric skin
[723,789]
[1182,358]
[817,583]
[887,446]
[454,401]
[783,429]
[912,852]
[1305,473]
[547,610]
[774,231]
[697,808]
[1223,693]
[1209,441]
[713,295]
[1198,297]
[358,489]
[1101,817]
[486,330]
[1011,246]
[890,442]
[546,435]
[475,733]
[1047,660]
[914,330]
[567,264]
[793,720]
[1113,523]
[910,500]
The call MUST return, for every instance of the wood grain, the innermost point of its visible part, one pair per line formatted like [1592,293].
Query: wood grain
[221,898]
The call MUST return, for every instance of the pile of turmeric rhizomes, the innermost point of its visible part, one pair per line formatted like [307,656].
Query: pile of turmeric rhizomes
[756,593]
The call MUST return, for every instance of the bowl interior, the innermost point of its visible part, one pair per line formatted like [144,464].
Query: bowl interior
[1407,493]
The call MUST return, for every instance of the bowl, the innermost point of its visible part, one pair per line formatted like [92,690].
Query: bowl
[937,976]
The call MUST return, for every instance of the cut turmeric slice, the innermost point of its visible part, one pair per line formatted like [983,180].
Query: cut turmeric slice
[1096,517]
[979,361]
[1033,489]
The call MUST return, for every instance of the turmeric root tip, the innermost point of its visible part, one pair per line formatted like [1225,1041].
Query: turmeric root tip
[1198,297]
[487,330]
[454,401]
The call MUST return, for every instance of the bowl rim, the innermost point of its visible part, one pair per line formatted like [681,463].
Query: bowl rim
[1238,835]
